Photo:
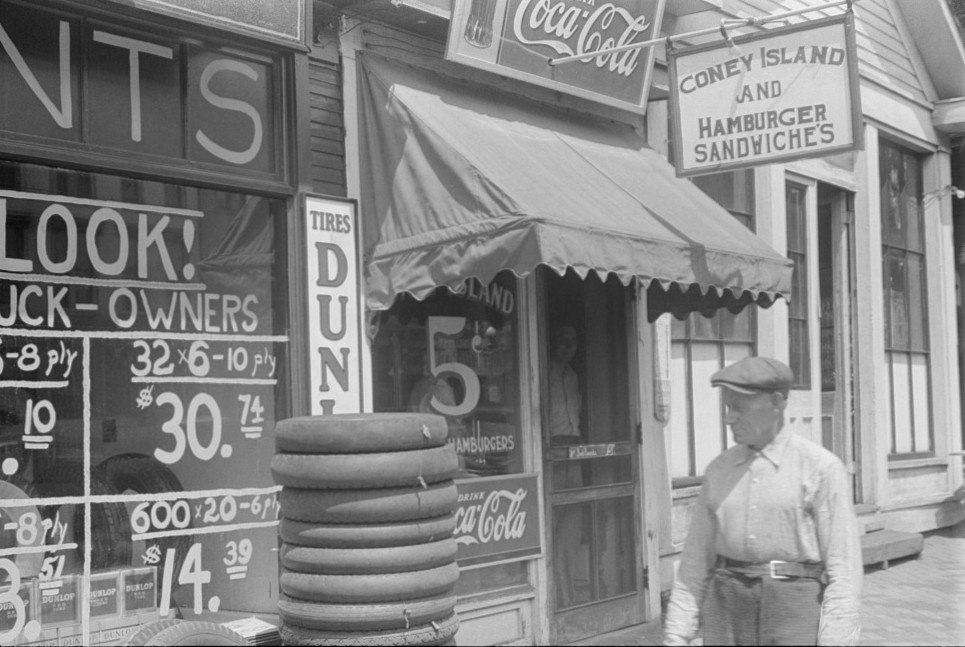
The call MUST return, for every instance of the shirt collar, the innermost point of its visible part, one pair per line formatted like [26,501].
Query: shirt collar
[773,451]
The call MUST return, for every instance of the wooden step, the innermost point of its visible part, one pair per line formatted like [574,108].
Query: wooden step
[882,546]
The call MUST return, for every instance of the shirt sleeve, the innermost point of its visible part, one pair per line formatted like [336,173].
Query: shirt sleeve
[697,565]
[840,544]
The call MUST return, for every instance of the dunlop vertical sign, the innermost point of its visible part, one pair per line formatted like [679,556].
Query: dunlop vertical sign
[776,95]
[334,306]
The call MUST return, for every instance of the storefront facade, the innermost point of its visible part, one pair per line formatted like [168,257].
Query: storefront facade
[856,243]
[870,330]
[148,181]
[518,246]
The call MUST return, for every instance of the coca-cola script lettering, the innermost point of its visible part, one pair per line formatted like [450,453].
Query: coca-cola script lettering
[496,518]
[582,28]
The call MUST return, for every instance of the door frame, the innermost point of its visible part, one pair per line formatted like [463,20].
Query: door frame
[812,405]
[589,614]
[847,442]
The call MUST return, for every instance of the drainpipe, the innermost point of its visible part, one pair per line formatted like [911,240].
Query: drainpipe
[958,232]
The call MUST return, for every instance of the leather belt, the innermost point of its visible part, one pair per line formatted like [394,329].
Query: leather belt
[775,569]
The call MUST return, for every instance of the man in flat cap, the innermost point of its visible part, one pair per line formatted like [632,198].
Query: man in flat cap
[773,555]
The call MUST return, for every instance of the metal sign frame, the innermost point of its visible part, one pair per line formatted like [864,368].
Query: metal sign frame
[332,234]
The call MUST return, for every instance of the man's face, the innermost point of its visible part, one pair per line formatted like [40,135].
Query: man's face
[564,345]
[754,419]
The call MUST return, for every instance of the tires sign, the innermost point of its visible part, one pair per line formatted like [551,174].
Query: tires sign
[497,519]
[334,306]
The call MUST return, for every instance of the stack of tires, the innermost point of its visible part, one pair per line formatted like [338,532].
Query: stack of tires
[367,548]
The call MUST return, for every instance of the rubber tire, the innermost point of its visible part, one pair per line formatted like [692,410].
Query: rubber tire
[365,617]
[362,535]
[110,525]
[144,474]
[148,631]
[367,561]
[427,634]
[110,528]
[16,488]
[196,632]
[376,470]
[378,505]
[360,433]
[382,587]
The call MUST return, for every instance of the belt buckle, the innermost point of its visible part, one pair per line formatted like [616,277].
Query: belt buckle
[774,576]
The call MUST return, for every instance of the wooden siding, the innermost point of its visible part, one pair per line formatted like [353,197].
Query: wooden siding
[328,124]
[883,57]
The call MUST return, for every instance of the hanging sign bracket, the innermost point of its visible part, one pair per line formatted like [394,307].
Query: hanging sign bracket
[757,21]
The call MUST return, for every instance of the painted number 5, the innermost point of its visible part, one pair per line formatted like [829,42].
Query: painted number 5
[451,326]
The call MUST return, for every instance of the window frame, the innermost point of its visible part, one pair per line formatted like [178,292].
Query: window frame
[713,331]
[902,251]
[799,311]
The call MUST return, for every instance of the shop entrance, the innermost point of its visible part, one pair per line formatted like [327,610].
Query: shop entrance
[820,242]
[835,213]
[590,458]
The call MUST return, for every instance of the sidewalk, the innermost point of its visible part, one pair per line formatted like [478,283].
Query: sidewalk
[916,601]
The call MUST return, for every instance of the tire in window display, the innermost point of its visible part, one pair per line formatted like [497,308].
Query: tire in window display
[110,529]
[366,535]
[196,632]
[143,474]
[366,617]
[433,633]
[148,631]
[362,433]
[368,505]
[16,488]
[363,561]
[372,470]
[110,525]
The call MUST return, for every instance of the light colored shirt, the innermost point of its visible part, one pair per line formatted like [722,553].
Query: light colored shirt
[790,501]
[565,401]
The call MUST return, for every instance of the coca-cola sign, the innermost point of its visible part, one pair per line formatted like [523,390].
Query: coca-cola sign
[517,38]
[497,518]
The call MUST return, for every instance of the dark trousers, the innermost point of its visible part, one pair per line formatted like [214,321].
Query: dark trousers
[740,610]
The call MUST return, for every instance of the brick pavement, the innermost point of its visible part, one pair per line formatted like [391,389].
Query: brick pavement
[915,601]
[918,601]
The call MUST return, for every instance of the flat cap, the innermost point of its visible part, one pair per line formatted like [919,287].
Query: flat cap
[755,375]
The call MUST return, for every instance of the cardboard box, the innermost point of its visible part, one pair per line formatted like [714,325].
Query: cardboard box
[8,615]
[139,589]
[61,605]
[105,595]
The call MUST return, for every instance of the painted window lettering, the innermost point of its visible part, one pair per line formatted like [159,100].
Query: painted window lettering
[258,130]
[66,95]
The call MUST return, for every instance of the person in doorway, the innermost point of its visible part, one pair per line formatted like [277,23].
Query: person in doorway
[566,407]
[566,402]
[773,554]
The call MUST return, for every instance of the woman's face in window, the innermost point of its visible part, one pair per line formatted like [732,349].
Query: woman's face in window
[564,344]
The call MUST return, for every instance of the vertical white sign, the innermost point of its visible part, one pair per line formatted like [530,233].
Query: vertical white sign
[334,305]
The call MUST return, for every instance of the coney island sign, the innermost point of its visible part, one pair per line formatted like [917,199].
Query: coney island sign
[497,519]
[775,95]
[517,39]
